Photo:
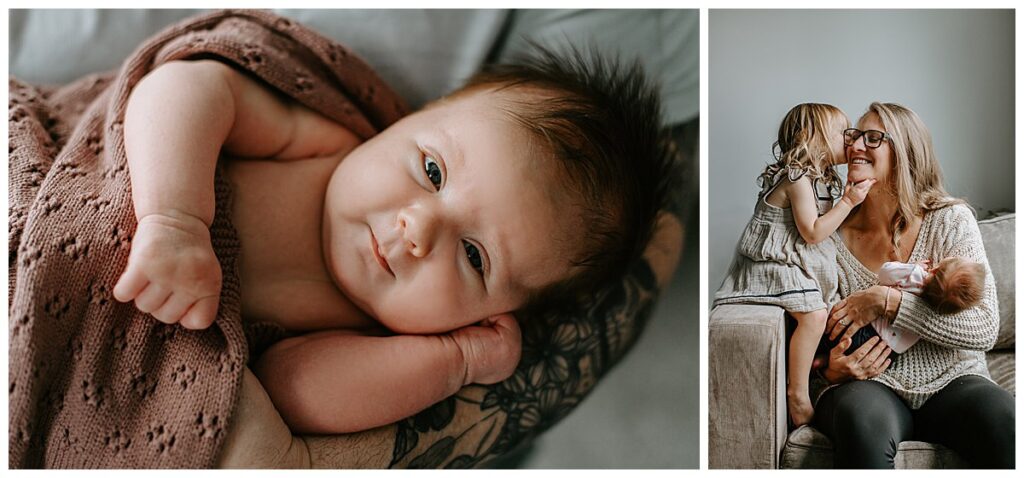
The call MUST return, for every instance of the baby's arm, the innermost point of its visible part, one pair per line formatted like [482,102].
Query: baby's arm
[178,119]
[803,201]
[337,382]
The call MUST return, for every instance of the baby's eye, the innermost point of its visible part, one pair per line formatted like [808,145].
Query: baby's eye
[474,256]
[433,171]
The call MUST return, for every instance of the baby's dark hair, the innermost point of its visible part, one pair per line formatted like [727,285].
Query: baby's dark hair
[957,284]
[601,121]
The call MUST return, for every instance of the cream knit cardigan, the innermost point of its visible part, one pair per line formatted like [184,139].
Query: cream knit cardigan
[951,345]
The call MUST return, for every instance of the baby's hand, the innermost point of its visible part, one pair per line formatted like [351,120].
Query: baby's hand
[172,271]
[856,193]
[490,348]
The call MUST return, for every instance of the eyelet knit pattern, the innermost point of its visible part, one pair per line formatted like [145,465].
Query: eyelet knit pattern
[951,345]
[95,383]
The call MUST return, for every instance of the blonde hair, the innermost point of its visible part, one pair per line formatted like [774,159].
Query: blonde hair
[917,177]
[957,284]
[803,143]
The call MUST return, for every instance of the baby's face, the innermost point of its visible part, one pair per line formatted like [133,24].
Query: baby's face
[444,219]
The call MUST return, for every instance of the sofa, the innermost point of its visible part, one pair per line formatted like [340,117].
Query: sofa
[747,419]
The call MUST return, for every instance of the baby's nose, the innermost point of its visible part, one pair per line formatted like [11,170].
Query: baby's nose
[418,228]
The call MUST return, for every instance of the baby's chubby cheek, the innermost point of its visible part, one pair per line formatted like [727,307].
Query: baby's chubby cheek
[425,315]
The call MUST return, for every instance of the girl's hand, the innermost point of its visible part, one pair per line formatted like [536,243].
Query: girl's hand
[868,361]
[856,193]
[491,349]
[859,309]
[172,271]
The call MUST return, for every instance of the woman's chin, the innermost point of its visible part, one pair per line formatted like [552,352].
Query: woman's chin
[857,174]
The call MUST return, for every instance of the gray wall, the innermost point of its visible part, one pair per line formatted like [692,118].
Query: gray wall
[954,68]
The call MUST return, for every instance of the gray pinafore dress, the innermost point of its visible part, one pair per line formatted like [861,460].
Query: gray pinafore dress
[774,265]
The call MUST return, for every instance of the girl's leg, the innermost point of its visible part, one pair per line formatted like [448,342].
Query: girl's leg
[809,328]
[974,417]
[866,422]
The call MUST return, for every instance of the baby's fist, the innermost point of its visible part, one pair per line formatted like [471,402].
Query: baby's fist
[173,272]
[491,349]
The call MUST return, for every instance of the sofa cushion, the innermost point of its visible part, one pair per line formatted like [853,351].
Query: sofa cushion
[809,448]
[1001,368]
[997,233]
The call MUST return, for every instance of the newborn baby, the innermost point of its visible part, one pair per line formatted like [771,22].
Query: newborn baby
[952,285]
[401,259]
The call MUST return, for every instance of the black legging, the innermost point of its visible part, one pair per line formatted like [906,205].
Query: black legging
[866,421]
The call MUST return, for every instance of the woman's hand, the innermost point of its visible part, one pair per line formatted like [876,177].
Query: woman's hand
[868,361]
[859,309]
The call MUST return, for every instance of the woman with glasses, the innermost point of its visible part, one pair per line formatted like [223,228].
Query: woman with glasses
[940,390]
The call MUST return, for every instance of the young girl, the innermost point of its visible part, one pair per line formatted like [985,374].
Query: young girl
[786,255]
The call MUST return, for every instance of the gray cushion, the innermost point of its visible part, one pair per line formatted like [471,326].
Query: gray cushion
[809,448]
[998,235]
[667,42]
[422,54]
[1001,368]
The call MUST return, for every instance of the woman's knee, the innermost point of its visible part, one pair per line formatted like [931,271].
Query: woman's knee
[869,418]
[994,416]
[974,417]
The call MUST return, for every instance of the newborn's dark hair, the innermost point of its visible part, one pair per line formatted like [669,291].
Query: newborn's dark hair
[601,121]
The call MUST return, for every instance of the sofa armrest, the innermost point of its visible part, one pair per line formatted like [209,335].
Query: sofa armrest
[747,424]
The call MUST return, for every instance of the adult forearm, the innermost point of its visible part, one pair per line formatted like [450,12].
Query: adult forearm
[177,119]
[333,382]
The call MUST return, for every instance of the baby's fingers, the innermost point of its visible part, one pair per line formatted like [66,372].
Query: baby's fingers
[502,321]
[129,285]
[173,309]
[202,313]
[152,297]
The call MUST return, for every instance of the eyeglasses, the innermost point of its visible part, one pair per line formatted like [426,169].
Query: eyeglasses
[872,137]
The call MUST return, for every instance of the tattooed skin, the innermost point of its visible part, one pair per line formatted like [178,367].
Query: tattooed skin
[563,358]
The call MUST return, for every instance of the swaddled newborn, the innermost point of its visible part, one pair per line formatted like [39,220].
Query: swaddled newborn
[402,258]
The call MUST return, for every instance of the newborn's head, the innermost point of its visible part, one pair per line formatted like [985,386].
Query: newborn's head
[954,284]
[533,184]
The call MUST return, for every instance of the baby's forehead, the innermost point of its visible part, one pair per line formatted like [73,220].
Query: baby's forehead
[503,98]
[542,243]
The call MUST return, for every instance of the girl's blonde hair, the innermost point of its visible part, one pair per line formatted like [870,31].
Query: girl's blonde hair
[803,143]
[917,177]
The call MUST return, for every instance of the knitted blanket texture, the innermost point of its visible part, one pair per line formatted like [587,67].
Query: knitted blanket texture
[95,383]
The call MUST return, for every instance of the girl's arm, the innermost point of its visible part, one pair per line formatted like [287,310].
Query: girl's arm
[803,201]
[337,382]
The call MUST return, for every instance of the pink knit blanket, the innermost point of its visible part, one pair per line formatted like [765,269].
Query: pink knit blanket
[95,383]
